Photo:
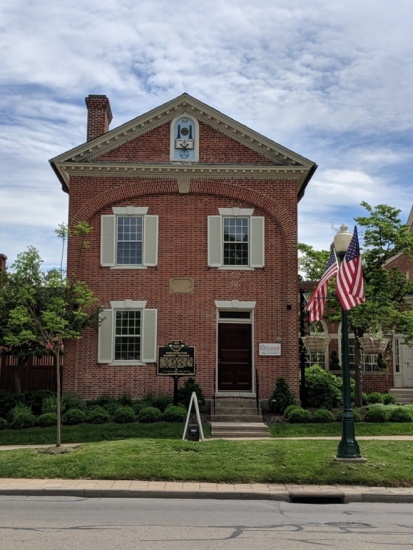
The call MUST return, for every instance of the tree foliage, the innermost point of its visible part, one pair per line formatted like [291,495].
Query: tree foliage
[383,236]
[40,309]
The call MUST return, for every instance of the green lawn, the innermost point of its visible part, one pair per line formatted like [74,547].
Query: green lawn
[390,463]
[156,452]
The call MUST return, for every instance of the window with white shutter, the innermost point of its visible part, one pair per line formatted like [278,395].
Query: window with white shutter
[129,238]
[236,239]
[127,334]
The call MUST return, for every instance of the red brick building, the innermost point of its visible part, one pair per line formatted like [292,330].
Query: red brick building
[194,238]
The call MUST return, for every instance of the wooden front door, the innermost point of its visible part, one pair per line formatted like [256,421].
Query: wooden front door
[234,357]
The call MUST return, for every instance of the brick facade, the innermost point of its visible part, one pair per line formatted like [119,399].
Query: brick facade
[137,171]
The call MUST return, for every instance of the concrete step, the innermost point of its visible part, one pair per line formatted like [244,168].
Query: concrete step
[236,417]
[235,403]
[402,395]
[238,430]
[240,435]
[235,410]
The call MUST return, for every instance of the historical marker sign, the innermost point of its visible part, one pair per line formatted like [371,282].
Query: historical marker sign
[176,359]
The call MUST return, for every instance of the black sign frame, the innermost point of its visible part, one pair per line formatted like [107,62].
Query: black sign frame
[176,359]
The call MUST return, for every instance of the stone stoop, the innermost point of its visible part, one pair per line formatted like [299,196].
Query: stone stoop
[237,418]
[402,395]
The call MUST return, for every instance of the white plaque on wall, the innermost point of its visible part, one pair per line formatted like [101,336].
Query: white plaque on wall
[270,349]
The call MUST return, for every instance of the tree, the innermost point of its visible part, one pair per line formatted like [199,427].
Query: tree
[48,309]
[384,310]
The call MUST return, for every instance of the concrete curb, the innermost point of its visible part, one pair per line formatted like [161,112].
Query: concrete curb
[308,495]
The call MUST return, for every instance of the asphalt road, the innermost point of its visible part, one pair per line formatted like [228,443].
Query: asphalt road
[68,523]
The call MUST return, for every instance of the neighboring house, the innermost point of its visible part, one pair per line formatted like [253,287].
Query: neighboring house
[194,239]
[398,377]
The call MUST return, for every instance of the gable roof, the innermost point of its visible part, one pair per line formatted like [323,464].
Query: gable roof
[282,162]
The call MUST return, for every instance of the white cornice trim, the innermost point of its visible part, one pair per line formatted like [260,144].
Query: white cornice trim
[174,170]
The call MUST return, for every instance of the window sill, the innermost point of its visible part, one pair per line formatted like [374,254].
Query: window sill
[129,267]
[126,364]
[236,268]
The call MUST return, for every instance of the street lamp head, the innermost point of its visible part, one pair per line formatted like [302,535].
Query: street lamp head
[342,240]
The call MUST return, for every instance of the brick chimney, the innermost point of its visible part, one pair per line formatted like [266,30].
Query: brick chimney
[99,116]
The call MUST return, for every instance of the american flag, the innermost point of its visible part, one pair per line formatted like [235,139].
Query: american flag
[315,306]
[349,281]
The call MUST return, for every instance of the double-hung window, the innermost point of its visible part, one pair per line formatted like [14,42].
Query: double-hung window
[127,333]
[129,238]
[236,239]
[129,242]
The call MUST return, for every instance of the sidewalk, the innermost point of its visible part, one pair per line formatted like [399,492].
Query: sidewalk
[89,488]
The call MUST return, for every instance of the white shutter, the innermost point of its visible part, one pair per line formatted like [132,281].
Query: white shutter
[150,245]
[257,241]
[105,339]
[107,240]
[149,335]
[215,241]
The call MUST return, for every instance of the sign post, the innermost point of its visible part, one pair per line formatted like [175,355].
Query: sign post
[176,359]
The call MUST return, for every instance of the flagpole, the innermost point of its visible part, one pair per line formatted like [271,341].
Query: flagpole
[348,448]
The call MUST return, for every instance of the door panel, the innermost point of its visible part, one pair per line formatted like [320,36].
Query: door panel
[407,366]
[234,357]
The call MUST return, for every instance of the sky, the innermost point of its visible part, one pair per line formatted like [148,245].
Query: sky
[330,79]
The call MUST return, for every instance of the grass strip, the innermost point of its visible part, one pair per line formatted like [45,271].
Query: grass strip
[390,463]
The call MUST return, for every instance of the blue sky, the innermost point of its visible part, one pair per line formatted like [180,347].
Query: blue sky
[330,80]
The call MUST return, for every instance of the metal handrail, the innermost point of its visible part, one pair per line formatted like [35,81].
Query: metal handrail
[257,389]
[213,395]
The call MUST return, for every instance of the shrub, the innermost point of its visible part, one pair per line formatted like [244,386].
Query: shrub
[97,415]
[289,409]
[281,397]
[46,419]
[374,397]
[73,416]
[174,413]
[34,399]
[140,404]
[124,414]
[323,389]
[21,416]
[49,404]
[185,393]
[400,414]
[125,399]
[161,401]
[356,416]
[376,414]
[8,401]
[299,416]
[149,414]
[388,399]
[322,416]
[3,423]
[106,401]
[72,400]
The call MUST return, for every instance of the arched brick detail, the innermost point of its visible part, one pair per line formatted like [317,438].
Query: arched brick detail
[217,188]
[149,187]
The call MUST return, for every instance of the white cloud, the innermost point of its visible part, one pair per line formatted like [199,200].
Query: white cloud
[330,80]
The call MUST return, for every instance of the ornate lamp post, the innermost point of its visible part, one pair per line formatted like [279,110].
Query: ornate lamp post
[348,449]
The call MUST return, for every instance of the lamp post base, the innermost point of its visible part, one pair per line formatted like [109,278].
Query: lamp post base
[348,448]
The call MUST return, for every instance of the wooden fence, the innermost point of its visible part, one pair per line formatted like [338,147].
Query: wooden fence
[39,373]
